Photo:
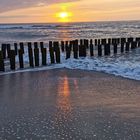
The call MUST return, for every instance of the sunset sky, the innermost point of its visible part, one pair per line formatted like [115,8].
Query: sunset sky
[28,11]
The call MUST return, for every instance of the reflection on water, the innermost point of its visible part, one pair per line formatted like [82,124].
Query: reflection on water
[63,99]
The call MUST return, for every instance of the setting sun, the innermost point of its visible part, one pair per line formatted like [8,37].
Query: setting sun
[64,16]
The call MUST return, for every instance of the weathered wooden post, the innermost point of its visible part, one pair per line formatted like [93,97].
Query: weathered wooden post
[103,41]
[99,41]
[109,41]
[106,49]
[86,43]
[96,42]
[36,54]
[127,47]
[68,50]
[62,46]
[44,56]
[122,47]
[12,60]
[21,61]
[81,42]
[75,49]
[123,40]
[133,45]
[51,50]
[3,48]
[99,50]
[2,68]
[41,46]
[91,48]
[8,50]
[21,44]
[57,51]
[130,39]
[115,48]
[30,54]
[16,48]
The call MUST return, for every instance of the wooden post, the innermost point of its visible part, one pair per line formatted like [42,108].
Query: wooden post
[115,48]
[130,39]
[8,50]
[44,56]
[127,47]
[91,48]
[122,47]
[36,56]
[30,54]
[96,42]
[35,45]
[16,48]
[86,43]
[106,49]
[12,60]
[21,44]
[103,41]
[62,46]
[41,46]
[21,61]
[99,50]
[109,41]
[75,49]
[2,68]
[123,40]
[68,50]
[133,45]
[99,41]
[4,50]
[57,51]
[51,50]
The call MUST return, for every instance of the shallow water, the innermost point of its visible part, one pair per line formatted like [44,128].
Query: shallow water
[66,104]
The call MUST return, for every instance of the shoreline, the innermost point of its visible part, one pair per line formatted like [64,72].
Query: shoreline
[51,68]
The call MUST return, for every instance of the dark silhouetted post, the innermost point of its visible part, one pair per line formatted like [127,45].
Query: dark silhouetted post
[68,50]
[133,45]
[115,48]
[16,48]
[51,50]
[3,48]
[36,55]
[91,48]
[30,54]
[62,46]
[96,42]
[21,62]
[8,50]
[21,44]
[57,51]
[122,47]
[99,50]
[109,41]
[2,68]
[44,56]
[75,49]
[106,49]
[41,46]
[12,60]
[127,47]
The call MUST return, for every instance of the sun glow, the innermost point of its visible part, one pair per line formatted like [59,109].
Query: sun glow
[64,16]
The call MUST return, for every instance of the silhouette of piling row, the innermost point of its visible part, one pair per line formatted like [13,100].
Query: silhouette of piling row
[71,49]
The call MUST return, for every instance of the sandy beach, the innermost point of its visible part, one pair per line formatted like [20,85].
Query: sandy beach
[69,104]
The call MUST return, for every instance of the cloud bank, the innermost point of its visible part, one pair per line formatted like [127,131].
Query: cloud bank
[7,5]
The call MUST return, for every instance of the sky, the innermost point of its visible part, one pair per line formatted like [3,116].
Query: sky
[48,11]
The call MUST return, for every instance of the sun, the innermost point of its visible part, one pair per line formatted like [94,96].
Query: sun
[64,16]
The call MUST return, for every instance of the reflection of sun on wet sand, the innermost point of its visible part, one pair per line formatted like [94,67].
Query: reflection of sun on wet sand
[63,98]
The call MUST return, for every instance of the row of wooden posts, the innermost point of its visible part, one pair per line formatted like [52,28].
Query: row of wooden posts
[77,47]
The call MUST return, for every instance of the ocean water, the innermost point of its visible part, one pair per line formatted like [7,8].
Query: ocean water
[125,65]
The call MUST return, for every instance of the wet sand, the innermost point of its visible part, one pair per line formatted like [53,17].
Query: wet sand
[69,104]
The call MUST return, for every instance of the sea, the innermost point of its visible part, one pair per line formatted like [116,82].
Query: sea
[126,65]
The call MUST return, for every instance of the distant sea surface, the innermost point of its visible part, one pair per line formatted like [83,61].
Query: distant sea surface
[68,31]
[125,65]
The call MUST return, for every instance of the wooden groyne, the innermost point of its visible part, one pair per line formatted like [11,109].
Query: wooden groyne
[37,51]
